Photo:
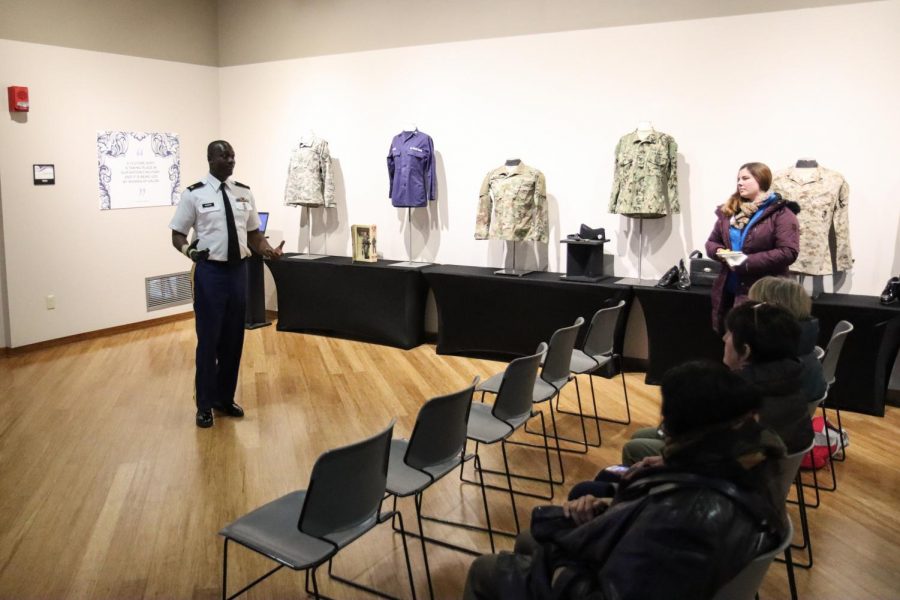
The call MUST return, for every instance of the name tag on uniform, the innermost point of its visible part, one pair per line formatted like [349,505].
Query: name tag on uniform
[207,207]
[242,204]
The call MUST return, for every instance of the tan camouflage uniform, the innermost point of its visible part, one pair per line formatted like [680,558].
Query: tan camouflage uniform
[823,196]
[309,179]
[512,205]
[646,178]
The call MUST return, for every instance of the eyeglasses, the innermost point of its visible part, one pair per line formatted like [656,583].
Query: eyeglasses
[756,315]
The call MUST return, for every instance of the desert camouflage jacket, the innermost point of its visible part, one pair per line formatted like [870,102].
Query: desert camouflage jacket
[823,196]
[512,205]
[646,177]
[309,180]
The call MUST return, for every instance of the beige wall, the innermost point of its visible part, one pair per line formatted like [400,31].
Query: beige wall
[178,30]
[267,30]
[56,240]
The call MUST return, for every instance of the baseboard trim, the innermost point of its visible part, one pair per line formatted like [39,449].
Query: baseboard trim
[89,335]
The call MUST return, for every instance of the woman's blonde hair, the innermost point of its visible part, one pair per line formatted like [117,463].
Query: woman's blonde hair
[783,292]
[763,176]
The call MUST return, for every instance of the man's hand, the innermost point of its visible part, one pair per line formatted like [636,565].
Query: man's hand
[582,510]
[194,254]
[274,253]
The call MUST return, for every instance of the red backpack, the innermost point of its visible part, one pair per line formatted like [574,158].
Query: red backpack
[818,457]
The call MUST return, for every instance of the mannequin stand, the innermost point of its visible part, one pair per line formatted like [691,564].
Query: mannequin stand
[309,255]
[514,272]
[409,264]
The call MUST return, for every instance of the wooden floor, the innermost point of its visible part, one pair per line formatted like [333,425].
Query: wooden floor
[110,491]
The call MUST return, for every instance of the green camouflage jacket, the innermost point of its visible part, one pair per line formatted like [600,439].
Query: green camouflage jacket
[824,198]
[309,179]
[512,205]
[646,177]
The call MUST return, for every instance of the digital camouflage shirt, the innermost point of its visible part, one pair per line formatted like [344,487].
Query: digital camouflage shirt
[512,205]
[646,177]
[823,196]
[309,179]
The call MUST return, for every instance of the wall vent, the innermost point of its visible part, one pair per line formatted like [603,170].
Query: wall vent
[164,291]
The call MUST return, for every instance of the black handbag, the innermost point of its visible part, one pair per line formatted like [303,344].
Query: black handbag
[703,270]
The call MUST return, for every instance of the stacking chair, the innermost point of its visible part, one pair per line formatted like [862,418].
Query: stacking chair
[511,410]
[829,366]
[789,471]
[812,407]
[307,528]
[436,447]
[745,584]
[593,356]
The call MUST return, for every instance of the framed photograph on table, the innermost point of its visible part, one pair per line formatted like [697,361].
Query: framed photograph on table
[365,248]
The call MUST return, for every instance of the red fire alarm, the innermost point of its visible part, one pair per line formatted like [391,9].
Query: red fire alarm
[18,98]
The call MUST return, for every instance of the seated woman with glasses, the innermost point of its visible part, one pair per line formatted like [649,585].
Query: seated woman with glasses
[761,342]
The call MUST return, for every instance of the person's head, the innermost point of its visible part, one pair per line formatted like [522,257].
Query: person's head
[783,292]
[753,178]
[759,333]
[701,394]
[220,155]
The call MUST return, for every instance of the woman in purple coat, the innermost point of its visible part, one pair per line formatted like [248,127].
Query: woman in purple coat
[761,225]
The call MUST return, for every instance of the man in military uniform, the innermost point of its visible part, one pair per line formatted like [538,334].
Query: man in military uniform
[223,214]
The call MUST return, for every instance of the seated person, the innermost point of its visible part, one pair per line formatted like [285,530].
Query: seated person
[672,531]
[791,296]
[761,345]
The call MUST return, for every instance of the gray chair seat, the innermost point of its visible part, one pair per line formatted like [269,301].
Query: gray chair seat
[583,363]
[485,428]
[272,530]
[544,391]
[403,480]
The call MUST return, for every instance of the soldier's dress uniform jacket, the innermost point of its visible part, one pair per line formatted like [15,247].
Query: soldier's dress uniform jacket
[219,285]
[645,183]
[310,181]
[512,205]
[824,199]
[411,169]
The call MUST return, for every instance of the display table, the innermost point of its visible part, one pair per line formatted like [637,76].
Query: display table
[479,312]
[863,371]
[679,328]
[367,301]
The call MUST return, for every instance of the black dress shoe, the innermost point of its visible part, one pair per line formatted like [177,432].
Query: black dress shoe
[669,278]
[232,410]
[684,277]
[891,291]
[204,418]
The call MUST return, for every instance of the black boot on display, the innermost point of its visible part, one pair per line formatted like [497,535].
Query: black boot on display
[891,291]
[684,277]
[669,278]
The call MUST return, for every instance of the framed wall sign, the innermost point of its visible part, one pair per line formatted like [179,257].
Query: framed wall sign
[44,174]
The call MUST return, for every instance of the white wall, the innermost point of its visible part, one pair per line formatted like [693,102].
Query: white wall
[771,87]
[56,240]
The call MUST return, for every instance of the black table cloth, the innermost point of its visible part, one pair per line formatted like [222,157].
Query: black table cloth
[479,312]
[368,301]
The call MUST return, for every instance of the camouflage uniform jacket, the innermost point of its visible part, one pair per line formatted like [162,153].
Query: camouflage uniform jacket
[512,205]
[646,178]
[823,196]
[309,179]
